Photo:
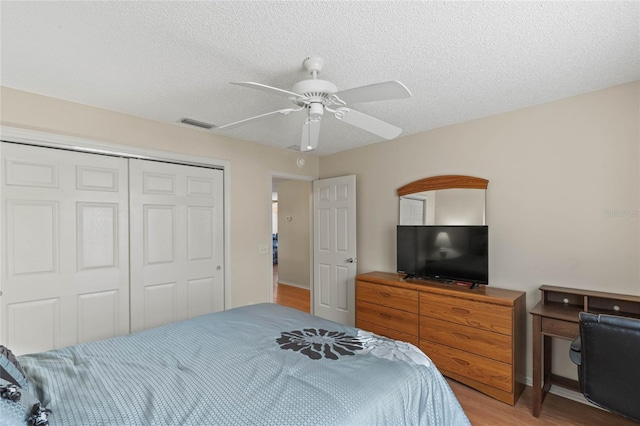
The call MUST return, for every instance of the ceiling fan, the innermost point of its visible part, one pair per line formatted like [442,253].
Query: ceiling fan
[316,96]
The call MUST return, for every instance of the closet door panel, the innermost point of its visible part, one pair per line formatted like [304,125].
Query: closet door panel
[159,234]
[200,238]
[160,303]
[97,179]
[177,259]
[98,315]
[22,171]
[32,237]
[65,215]
[97,235]
[202,297]
[39,320]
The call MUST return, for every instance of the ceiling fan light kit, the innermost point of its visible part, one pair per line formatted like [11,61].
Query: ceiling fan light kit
[317,96]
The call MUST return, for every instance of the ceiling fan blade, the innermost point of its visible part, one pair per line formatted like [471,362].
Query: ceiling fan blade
[310,134]
[256,118]
[368,123]
[374,92]
[268,89]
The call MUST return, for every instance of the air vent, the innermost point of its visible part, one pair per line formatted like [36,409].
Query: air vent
[294,148]
[197,123]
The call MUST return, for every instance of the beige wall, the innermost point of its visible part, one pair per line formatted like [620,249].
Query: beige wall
[250,166]
[294,236]
[562,200]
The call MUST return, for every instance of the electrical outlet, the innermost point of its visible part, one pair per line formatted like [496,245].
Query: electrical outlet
[263,248]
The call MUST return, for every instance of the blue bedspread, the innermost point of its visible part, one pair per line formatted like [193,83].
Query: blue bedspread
[256,365]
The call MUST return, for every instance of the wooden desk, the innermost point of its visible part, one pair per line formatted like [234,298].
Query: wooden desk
[556,315]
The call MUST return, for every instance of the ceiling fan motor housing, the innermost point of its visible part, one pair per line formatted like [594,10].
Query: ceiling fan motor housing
[315,90]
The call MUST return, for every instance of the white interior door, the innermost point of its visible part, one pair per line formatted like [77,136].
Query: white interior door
[65,276]
[177,242]
[334,225]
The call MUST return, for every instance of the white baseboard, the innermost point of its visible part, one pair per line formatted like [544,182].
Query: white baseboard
[565,393]
[306,287]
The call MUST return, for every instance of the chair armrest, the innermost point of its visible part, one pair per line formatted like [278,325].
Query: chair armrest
[574,351]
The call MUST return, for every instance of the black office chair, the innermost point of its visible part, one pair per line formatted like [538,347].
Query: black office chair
[607,353]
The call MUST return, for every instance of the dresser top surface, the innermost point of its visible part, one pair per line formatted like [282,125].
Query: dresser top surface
[483,292]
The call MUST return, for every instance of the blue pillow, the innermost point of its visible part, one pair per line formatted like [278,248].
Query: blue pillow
[19,407]
[10,369]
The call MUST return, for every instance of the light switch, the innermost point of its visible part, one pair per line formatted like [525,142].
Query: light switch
[263,248]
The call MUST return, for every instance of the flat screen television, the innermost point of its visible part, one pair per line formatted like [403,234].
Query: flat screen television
[444,253]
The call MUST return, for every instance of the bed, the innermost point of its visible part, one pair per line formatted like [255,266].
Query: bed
[263,364]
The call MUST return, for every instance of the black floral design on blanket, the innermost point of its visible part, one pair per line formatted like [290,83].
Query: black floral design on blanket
[318,343]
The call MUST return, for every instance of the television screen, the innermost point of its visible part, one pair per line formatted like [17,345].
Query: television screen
[455,253]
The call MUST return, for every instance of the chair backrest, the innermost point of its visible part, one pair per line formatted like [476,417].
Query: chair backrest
[610,370]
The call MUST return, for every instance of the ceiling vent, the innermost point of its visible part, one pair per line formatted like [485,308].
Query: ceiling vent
[197,123]
[294,148]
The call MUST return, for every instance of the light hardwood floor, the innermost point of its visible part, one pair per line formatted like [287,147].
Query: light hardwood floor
[288,295]
[293,297]
[481,409]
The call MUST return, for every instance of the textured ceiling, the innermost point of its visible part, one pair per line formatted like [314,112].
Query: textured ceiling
[461,60]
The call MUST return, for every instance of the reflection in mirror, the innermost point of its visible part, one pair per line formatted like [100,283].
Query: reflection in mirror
[443,200]
[455,206]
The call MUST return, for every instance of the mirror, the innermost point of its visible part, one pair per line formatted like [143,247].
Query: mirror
[443,200]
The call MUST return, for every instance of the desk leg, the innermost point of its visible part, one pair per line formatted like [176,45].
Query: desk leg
[547,343]
[536,400]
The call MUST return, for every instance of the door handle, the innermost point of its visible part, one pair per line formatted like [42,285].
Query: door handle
[352,260]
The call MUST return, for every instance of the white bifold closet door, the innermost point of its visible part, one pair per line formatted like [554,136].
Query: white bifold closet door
[65,251]
[177,258]
[95,246]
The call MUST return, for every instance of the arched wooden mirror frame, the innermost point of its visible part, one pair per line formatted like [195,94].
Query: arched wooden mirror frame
[443,182]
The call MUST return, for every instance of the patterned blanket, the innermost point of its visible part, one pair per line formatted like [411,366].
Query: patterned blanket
[259,365]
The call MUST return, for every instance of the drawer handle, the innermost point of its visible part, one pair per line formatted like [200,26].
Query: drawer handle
[386,316]
[460,336]
[460,311]
[460,361]
[384,294]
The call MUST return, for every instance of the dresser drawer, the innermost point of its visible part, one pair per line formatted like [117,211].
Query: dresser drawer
[405,322]
[393,297]
[480,342]
[484,316]
[492,373]
[388,332]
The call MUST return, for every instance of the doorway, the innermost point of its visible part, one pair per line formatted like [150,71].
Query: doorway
[292,225]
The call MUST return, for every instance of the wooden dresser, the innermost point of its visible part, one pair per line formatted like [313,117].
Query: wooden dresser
[476,337]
